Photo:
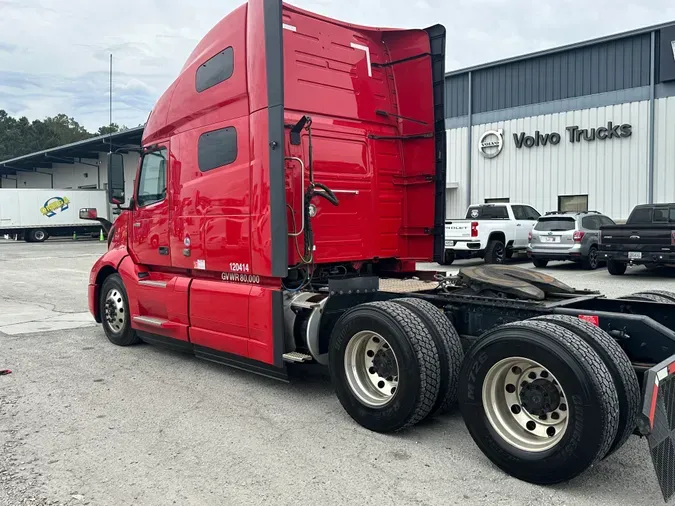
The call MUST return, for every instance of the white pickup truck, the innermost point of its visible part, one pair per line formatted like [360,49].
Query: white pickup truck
[493,232]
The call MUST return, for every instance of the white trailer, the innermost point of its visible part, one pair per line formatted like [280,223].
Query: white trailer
[36,214]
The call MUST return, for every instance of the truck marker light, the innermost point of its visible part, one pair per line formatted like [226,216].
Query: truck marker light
[590,318]
[660,376]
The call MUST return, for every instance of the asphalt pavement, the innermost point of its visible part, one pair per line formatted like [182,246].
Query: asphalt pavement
[85,422]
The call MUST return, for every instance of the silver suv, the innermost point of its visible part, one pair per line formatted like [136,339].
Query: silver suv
[567,236]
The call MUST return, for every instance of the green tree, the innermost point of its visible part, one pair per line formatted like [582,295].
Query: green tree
[21,136]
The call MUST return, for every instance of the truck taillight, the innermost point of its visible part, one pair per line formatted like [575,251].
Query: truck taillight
[474,229]
[529,236]
[672,237]
[578,236]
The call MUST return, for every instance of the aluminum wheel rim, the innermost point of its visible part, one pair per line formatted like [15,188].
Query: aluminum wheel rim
[39,235]
[505,388]
[114,310]
[501,253]
[593,258]
[371,368]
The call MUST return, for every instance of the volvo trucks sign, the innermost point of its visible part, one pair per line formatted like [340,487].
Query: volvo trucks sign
[491,143]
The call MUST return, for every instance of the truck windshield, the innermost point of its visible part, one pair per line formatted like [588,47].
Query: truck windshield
[555,224]
[487,213]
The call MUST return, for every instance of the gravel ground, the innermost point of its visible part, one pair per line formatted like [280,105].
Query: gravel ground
[84,422]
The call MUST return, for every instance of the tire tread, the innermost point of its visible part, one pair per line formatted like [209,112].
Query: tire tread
[595,368]
[427,357]
[625,379]
[450,347]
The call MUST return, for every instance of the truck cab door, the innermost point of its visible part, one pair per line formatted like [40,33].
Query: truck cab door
[150,223]
[526,217]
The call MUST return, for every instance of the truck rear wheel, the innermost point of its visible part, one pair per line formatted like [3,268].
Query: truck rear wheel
[449,346]
[495,253]
[114,311]
[38,235]
[538,401]
[619,366]
[662,295]
[616,268]
[647,297]
[384,366]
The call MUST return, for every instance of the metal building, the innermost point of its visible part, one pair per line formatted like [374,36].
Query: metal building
[80,165]
[584,126]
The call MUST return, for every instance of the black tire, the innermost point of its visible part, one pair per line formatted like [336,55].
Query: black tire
[664,294]
[540,263]
[495,253]
[619,366]
[647,297]
[412,345]
[126,336]
[593,411]
[616,268]
[450,349]
[448,257]
[591,261]
[38,235]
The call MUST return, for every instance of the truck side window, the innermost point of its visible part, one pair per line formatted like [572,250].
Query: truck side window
[217,148]
[152,184]
[215,70]
[661,215]
[641,215]
[531,213]
[520,212]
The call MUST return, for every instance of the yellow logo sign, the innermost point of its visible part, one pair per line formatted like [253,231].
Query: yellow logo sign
[54,204]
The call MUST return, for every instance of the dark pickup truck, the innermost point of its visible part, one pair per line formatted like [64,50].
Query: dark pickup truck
[647,238]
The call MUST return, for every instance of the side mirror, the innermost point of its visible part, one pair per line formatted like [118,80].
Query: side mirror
[88,213]
[116,179]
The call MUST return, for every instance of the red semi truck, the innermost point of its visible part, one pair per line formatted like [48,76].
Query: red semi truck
[294,163]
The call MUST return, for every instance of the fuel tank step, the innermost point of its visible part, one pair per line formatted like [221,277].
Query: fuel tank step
[295,356]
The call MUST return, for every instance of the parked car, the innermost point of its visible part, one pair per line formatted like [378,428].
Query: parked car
[493,232]
[567,236]
[647,238]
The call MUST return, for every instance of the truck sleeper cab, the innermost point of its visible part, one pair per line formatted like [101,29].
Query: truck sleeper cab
[294,162]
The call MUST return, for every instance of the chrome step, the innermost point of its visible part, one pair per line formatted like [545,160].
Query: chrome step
[150,320]
[295,356]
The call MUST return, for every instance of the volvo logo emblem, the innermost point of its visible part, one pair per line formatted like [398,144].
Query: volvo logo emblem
[491,143]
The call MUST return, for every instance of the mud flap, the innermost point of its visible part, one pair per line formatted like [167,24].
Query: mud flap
[657,422]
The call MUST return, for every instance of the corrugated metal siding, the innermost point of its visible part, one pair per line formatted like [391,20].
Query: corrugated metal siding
[456,173]
[457,96]
[609,66]
[664,150]
[613,173]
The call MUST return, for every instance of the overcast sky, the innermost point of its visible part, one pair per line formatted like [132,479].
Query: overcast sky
[54,53]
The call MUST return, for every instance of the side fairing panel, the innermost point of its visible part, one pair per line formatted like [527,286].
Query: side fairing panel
[219,314]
